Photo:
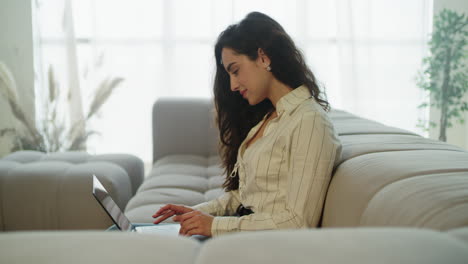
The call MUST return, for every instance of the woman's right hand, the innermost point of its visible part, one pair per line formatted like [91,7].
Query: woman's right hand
[170,210]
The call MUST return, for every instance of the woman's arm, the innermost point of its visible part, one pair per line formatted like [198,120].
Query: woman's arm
[314,147]
[199,221]
[224,205]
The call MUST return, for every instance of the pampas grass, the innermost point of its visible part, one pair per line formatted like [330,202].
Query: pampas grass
[51,133]
[103,92]
[28,136]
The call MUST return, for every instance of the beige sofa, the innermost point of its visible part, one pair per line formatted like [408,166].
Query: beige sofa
[395,197]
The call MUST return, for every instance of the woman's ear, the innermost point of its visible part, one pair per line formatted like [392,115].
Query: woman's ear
[265,61]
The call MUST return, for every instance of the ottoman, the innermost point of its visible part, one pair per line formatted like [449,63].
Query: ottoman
[53,191]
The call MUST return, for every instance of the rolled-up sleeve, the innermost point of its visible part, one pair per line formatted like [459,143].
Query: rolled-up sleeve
[312,153]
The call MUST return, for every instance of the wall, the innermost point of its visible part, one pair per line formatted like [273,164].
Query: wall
[458,134]
[16,51]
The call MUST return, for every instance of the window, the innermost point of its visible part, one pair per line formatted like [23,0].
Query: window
[366,53]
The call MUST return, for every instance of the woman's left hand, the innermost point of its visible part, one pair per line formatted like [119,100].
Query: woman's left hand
[194,223]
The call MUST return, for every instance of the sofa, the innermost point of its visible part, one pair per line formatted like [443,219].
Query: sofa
[394,197]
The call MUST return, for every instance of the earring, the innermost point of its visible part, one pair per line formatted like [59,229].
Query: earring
[268,68]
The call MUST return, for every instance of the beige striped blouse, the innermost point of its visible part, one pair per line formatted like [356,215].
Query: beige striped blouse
[284,175]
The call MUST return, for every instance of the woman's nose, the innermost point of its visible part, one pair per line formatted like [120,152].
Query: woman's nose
[234,85]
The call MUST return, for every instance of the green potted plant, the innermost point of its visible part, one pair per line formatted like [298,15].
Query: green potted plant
[444,73]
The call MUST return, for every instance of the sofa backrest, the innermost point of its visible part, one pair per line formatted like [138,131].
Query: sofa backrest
[183,126]
[392,177]
[386,176]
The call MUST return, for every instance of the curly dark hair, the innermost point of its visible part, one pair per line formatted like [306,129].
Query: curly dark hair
[234,116]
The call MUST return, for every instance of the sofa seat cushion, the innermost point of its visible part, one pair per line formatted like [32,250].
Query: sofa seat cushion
[460,233]
[95,247]
[336,246]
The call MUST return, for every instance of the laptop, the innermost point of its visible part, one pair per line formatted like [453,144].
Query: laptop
[122,223]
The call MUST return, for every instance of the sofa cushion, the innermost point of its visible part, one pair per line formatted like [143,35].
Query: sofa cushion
[356,145]
[360,181]
[336,245]
[460,233]
[180,179]
[358,125]
[438,201]
[95,247]
[183,126]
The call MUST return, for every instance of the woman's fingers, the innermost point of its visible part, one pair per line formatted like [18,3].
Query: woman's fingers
[158,213]
[162,210]
[178,209]
[195,223]
[183,217]
[195,231]
[163,213]
[181,209]
[164,217]
[170,210]
[187,226]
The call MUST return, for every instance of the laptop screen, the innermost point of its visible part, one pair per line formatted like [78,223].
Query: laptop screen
[112,209]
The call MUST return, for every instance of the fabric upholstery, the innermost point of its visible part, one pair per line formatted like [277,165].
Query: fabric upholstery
[55,195]
[460,233]
[441,200]
[181,179]
[336,246]
[95,247]
[53,191]
[173,118]
[361,182]
[131,164]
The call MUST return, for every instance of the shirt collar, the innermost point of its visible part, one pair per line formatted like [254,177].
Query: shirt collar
[291,100]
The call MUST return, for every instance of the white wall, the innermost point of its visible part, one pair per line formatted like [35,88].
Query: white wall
[458,134]
[16,51]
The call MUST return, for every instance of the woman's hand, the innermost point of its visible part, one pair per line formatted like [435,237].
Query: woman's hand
[170,210]
[194,223]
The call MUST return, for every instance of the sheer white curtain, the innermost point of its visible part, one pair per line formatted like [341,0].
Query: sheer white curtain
[55,50]
[366,53]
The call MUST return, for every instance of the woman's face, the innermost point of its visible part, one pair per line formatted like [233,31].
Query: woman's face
[249,78]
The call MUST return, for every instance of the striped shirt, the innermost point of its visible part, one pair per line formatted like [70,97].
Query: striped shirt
[284,175]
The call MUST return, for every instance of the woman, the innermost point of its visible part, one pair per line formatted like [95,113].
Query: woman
[278,145]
